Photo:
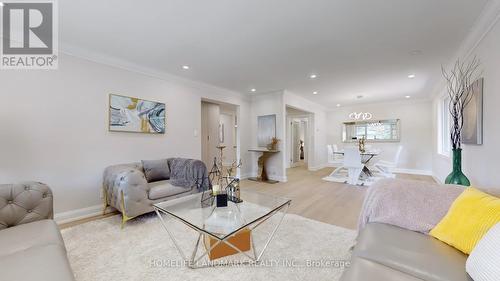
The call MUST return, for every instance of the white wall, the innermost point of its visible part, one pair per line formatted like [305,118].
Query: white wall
[53,125]
[268,104]
[416,130]
[480,162]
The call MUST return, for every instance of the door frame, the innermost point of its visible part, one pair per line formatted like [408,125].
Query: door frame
[307,139]
[237,119]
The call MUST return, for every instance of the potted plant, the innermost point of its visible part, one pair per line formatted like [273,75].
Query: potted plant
[460,82]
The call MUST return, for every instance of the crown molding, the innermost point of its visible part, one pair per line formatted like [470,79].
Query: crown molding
[488,18]
[483,25]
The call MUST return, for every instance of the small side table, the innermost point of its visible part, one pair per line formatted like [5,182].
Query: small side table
[261,172]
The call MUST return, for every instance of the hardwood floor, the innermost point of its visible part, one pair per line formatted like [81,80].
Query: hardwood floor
[314,198]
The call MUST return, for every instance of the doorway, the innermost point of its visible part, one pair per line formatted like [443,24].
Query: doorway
[219,132]
[298,142]
[298,138]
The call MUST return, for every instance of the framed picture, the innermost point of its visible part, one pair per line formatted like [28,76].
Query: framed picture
[266,129]
[472,132]
[128,114]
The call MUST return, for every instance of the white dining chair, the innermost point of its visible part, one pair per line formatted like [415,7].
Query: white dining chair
[353,164]
[334,159]
[387,167]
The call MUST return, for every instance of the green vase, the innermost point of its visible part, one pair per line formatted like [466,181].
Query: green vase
[456,176]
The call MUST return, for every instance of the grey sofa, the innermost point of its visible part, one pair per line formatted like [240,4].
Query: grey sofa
[31,246]
[126,189]
[389,253]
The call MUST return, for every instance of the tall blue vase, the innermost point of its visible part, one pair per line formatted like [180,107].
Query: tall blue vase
[456,176]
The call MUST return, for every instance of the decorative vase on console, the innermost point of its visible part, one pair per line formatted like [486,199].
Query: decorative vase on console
[274,144]
[361,145]
[460,84]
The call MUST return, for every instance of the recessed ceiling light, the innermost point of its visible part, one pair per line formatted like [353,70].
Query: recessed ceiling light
[407,97]
[416,52]
[338,104]
[359,96]
[411,76]
[2,4]
[186,67]
[312,76]
[253,90]
[315,93]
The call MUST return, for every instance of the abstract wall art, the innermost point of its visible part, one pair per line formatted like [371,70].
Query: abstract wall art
[472,131]
[266,129]
[128,114]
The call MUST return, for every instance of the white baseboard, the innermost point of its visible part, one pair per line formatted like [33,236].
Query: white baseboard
[412,172]
[78,214]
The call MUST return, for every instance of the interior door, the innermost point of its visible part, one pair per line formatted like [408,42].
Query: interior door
[229,140]
[210,121]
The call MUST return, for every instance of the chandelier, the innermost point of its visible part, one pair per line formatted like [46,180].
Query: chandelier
[360,115]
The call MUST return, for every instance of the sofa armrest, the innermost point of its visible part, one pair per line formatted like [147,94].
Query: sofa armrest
[127,181]
[25,202]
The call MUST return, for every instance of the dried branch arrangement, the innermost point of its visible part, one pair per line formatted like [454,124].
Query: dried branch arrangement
[460,82]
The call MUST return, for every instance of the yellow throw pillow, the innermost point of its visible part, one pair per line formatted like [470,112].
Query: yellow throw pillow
[470,216]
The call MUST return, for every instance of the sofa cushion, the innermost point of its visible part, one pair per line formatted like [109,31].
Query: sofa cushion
[33,251]
[362,269]
[483,262]
[156,170]
[162,189]
[471,215]
[417,254]
[42,262]
[25,236]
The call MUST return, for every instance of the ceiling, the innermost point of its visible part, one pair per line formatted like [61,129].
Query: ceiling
[356,47]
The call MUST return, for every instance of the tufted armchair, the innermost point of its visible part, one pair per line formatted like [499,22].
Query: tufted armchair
[31,245]
[24,202]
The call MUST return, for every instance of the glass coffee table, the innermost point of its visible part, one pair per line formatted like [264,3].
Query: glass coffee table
[223,232]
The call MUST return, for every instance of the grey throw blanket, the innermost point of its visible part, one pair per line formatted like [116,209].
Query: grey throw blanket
[188,173]
[414,205]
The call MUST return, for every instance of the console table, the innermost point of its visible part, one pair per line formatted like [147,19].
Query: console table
[261,172]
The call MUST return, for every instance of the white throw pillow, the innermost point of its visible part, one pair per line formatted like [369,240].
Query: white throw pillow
[483,263]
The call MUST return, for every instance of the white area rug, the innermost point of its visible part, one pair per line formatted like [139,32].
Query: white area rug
[302,249]
[342,176]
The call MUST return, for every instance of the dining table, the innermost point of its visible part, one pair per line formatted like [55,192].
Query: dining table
[366,157]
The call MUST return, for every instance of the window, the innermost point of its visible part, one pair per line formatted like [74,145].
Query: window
[381,130]
[444,141]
